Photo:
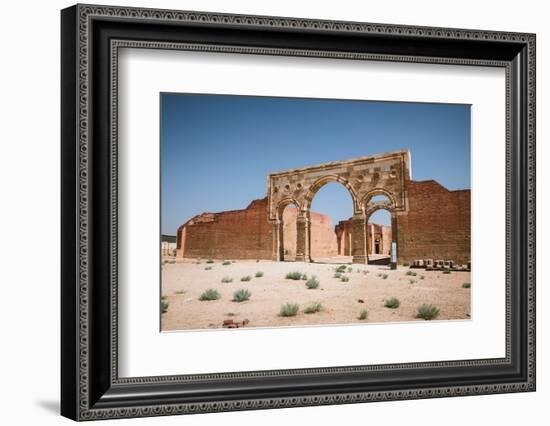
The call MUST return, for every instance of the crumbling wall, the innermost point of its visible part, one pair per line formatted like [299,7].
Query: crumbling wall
[436,225]
[247,234]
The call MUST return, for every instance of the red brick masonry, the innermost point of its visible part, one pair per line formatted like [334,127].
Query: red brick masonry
[435,225]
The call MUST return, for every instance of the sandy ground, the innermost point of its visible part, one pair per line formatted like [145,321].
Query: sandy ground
[184,281]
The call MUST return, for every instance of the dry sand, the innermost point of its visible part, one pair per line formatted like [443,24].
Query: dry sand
[184,281]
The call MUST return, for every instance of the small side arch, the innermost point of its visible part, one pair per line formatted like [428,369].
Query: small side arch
[378,191]
[285,202]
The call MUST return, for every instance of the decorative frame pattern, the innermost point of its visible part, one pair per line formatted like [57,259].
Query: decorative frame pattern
[91,388]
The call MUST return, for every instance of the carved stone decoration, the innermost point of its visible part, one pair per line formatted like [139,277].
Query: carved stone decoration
[376,174]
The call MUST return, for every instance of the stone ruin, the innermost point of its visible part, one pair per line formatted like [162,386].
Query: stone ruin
[428,221]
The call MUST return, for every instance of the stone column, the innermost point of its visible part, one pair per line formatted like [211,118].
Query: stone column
[359,240]
[395,250]
[302,238]
[276,249]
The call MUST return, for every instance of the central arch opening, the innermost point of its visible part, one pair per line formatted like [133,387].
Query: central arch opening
[330,224]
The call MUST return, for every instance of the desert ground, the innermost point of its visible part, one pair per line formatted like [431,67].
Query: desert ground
[369,287]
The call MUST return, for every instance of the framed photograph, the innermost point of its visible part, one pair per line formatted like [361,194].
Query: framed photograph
[263,212]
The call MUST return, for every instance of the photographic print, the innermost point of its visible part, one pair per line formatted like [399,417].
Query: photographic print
[280,212]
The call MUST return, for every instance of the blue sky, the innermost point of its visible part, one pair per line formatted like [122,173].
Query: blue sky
[217,150]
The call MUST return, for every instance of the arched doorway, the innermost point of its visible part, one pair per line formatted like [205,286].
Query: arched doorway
[381,228]
[288,212]
[330,216]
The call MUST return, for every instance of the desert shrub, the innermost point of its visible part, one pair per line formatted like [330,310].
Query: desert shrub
[384,276]
[227,280]
[365,272]
[179,292]
[421,277]
[411,273]
[341,268]
[466,285]
[246,278]
[364,314]
[412,281]
[210,260]
[226,262]
[337,275]
[350,269]
[406,264]
[208,268]
[241,295]
[304,277]
[446,272]
[313,308]
[233,261]
[259,274]
[210,294]
[427,311]
[289,309]
[164,305]
[392,303]
[296,275]
[312,283]
[344,278]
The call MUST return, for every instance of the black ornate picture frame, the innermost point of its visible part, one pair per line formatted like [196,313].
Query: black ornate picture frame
[91,387]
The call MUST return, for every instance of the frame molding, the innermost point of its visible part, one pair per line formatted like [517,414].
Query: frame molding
[91,388]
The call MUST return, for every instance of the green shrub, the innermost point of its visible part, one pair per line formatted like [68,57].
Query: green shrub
[411,273]
[227,280]
[384,276]
[241,295]
[392,303]
[350,269]
[312,283]
[208,268]
[341,268]
[313,308]
[164,305]
[304,277]
[210,294]
[259,274]
[344,279]
[289,309]
[294,275]
[412,281]
[337,275]
[466,285]
[427,311]
[210,260]
[246,278]
[364,314]
[226,262]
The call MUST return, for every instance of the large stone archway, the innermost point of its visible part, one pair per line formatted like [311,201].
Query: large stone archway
[364,177]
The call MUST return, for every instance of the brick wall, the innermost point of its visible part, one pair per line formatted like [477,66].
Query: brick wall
[246,234]
[236,234]
[437,224]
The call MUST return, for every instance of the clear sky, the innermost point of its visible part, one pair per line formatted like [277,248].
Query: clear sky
[217,150]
